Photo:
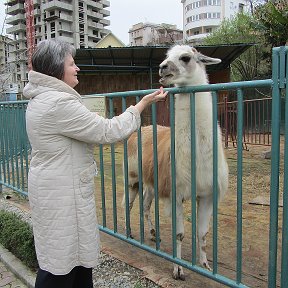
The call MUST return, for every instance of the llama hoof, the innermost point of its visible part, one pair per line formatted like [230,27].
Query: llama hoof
[131,236]
[178,274]
[153,235]
[206,266]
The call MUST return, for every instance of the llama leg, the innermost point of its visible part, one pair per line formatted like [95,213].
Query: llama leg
[205,208]
[178,272]
[133,192]
[148,198]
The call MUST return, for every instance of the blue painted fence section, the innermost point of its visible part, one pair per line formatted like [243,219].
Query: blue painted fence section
[14,162]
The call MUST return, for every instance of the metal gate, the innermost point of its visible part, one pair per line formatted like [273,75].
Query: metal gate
[111,186]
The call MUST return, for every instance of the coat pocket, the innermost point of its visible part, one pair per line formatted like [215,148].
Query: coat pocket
[87,181]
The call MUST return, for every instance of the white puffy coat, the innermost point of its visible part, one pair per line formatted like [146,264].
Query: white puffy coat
[61,176]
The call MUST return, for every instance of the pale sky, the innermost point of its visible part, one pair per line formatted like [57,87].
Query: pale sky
[125,13]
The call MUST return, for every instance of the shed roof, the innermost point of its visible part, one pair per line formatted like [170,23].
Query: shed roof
[141,58]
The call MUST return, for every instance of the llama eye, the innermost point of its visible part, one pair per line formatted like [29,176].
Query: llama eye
[185,59]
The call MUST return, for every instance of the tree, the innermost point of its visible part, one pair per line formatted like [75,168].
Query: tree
[271,19]
[250,65]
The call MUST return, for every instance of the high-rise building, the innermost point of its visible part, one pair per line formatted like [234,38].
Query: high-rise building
[81,23]
[201,17]
[6,69]
[143,34]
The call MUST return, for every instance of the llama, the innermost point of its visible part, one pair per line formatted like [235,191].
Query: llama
[183,66]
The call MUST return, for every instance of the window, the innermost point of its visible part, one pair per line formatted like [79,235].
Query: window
[241,7]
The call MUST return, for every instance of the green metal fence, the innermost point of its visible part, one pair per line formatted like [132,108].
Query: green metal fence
[14,146]
[15,149]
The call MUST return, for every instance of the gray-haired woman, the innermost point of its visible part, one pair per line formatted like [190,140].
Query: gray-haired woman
[62,133]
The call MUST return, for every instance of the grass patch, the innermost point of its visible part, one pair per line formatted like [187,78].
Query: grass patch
[17,236]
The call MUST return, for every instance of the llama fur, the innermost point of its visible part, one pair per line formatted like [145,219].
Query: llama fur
[183,66]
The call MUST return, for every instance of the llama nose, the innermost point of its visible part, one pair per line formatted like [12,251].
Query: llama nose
[162,68]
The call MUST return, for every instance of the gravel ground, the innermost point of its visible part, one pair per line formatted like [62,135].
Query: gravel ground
[110,273]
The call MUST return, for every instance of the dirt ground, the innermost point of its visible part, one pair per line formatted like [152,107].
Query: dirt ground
[255,221]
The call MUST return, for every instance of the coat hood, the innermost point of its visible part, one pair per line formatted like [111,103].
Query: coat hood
[40,83]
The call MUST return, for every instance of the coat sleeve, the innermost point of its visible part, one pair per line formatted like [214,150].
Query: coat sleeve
[74,120]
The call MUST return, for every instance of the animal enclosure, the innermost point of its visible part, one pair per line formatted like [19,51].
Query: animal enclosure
[247,239]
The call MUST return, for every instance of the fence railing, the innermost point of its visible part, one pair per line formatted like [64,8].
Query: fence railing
[14,146]
[256,121]
[111,185]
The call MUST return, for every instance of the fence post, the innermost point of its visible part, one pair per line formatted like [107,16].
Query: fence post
[275,161]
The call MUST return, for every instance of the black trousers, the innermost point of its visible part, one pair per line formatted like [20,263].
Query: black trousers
[78,277]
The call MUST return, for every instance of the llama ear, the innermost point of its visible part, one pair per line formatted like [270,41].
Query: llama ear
[207,60]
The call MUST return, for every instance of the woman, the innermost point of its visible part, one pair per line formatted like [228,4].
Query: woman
[62,133]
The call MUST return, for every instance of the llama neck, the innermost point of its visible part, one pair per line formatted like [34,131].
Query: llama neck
[203,114]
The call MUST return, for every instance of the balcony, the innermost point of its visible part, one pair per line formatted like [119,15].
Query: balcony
[37,12]
[16,28]
[15,19]
[57,5]
[94,25]
[67,18]
[94,15]
[15,9]
[105,3]
[64,28]
[94,4]
[105,12]
[105,22]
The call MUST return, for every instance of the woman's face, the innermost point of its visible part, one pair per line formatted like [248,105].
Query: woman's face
[70,72]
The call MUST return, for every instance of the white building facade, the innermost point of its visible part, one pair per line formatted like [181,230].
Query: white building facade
[201,17]
[81,23]
[143,34]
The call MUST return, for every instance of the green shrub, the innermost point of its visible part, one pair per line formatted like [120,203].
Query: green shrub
[17,236]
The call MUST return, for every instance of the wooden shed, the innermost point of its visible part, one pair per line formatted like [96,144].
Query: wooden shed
[114,69]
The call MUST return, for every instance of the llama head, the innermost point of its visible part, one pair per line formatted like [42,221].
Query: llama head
[184,65]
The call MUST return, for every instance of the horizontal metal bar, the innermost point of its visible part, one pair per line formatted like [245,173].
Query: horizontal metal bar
[14,188]
[190,89]
[219,278]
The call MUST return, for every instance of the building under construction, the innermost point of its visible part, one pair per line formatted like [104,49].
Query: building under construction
[78,22]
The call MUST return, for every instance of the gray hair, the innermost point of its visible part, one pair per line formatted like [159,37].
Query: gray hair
[49,57]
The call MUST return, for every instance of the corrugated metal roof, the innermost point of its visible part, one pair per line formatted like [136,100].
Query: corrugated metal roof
[139,58]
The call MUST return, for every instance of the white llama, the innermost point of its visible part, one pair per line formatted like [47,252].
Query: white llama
[184,66]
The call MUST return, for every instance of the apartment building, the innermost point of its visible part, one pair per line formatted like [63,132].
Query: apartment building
[201,17]
[143,34]
[81,23]
[8,89]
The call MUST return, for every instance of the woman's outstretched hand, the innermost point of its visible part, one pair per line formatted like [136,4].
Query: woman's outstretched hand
[159,95]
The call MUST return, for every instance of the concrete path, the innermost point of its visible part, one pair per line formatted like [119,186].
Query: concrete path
[13,274]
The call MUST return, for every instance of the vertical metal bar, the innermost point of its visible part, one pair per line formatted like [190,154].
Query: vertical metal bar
[113,173]
[7,151]
[173,174]
[22,151]
[140,182]
[156,194]
[193,175]
[17,148]
[126,180]
[284,257]
[259,121]
[103,198]
[239,183]
[215,181]
[226,121]
[274,184]
[12,142]
[1,144]
[26,146]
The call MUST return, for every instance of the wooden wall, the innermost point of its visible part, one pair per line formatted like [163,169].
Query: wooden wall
[104,82]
